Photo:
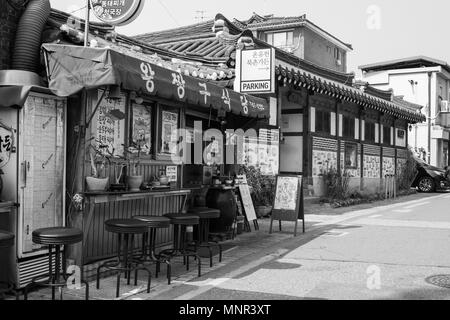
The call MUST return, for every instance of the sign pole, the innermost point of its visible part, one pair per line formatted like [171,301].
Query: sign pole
[86,23]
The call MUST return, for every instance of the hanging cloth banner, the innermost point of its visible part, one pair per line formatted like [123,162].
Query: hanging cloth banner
[72,68]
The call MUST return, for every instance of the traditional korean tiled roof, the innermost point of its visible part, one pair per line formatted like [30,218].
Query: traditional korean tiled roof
[220,43]
[302,78]
[406,63]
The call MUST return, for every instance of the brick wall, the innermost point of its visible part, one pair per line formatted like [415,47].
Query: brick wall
[9,17]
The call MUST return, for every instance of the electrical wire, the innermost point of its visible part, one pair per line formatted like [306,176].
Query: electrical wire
[168,12]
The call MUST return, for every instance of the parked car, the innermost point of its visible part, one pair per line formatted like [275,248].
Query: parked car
[430,179]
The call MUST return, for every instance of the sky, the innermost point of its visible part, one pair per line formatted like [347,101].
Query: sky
[378,30]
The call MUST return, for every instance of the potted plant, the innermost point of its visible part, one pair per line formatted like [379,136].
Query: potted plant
[134,180]
[99,180]
[262,189]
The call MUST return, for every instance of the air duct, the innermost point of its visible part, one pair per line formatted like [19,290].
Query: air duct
[26,55]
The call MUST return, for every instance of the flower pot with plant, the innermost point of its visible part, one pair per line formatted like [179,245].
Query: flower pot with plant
[134,180]
[262,190]
[99,180]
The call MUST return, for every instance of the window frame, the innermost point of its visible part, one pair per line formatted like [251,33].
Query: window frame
[348,132]
[372,139]
[323,122]
[388,130]
[272,36]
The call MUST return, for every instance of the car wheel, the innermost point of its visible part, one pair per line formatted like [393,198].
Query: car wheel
[426,184]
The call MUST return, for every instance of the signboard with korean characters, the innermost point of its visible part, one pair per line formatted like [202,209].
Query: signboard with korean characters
[255,71]
[117,12]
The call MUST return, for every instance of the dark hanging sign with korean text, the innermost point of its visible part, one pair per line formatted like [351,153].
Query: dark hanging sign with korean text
[117,12]
[90,68]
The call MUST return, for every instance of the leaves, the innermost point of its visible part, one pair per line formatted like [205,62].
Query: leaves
[263,187]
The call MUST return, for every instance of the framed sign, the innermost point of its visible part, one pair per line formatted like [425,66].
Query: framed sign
[247,202]
[255,71]
[289,204]
[117,13]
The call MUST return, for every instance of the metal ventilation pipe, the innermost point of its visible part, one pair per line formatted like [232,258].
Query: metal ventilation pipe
[26,55]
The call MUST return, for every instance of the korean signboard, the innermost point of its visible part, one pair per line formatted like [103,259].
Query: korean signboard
[117,12]
[255,71]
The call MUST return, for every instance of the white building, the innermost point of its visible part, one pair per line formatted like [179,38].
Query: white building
[424,81]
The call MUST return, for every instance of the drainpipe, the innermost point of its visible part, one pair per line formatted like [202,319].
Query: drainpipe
[429,116]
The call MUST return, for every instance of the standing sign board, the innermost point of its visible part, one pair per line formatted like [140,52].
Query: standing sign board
[289,202]
[255,71]
[118,12]
[247,202]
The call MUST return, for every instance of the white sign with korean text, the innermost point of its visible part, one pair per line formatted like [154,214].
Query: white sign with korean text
[255,71]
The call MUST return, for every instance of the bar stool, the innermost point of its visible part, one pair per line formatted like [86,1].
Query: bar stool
[205,215]
[125,262]
[55,238]
[6,242]
[148,255]
[180,223]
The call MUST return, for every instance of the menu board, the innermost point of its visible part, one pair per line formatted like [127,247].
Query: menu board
[172,173]
[289,204]
[108,130]
[169,132]
[142,127]
[246,199]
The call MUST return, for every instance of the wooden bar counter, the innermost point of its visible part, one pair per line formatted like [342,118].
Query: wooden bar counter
[102,206]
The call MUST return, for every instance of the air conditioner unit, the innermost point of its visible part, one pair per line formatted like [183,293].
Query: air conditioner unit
[445,106]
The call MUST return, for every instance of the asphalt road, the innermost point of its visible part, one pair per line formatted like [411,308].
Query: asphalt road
[400,251]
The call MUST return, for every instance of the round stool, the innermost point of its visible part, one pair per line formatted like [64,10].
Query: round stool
[125,262]
[205,215]
[148,255]
[6,241]
[55,238]
[180,223]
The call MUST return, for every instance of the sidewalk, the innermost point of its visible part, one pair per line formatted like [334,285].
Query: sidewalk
[245,245]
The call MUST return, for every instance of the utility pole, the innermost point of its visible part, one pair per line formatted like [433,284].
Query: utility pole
[86,23]
[429,116]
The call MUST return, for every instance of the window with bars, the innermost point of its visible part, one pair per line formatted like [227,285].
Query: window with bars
[348,129]
[387,135]
[323,121]
[369,132]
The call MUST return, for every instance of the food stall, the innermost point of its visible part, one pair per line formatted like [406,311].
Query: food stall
[131,121]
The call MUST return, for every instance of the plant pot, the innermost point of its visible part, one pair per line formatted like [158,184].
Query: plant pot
[96,184]
[164,180]
[263,211]
[135,182]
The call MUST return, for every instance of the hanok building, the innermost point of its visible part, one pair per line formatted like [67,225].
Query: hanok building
[326,121]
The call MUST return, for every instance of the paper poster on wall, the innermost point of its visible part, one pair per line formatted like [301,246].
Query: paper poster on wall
[108,130]
[142,128]
[172,173]
[169,132]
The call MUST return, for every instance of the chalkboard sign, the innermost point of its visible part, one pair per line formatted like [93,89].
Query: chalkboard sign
[247,201]
[289,204]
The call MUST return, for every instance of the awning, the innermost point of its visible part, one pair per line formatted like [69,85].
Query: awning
[16,85]
[73,68]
